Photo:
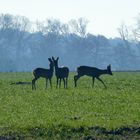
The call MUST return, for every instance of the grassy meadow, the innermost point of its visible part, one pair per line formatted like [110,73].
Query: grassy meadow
[75,113]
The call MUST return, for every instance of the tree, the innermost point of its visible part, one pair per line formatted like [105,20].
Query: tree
[136,30]
[52,26]
[129,59]
[6,21]
[79,26]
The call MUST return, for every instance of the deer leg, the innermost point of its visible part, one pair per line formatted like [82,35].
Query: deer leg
[76,77]
[46,83]
[101,82]
[33,83]
[50,82]
[57,83]
[64,82]
[60,83]
[75,80]
[93,79]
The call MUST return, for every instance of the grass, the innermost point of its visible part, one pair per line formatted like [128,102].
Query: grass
[74,113]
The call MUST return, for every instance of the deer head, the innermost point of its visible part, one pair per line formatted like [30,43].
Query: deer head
[109,70]
[51,62]
[55,61]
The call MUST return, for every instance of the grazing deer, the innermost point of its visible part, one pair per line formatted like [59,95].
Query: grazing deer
[61,73]
[92,72]
[45,73]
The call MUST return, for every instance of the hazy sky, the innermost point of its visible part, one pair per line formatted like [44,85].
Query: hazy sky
[104,16]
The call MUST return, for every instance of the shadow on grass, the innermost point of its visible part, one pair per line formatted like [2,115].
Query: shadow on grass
[82,133]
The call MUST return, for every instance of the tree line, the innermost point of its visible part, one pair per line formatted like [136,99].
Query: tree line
[25,45]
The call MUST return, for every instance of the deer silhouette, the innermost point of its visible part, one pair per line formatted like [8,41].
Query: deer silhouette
[45,73]
[61,73]
[92,72]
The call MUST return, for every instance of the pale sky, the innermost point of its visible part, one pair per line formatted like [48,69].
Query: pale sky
[104,16]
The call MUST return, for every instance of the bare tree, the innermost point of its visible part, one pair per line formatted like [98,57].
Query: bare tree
[53,26]
[6,21]
[79,26]
[136,30]
[128,54]
[124,32]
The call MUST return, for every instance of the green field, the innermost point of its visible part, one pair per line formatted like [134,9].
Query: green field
[74,113]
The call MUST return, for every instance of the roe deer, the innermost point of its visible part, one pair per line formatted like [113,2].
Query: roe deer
[61,73]
[45,73]
[92,72]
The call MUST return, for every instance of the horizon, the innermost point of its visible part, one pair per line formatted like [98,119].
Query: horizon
[104,16]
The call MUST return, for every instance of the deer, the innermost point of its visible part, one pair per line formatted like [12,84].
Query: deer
[92,72]
[61,73]
[44,73]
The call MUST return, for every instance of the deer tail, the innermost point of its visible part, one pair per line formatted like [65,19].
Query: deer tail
[78,69]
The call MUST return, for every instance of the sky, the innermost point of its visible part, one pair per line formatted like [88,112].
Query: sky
[104,16]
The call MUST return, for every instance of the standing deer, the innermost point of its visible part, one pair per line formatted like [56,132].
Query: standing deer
[45,73]
[61,73]
[92,72]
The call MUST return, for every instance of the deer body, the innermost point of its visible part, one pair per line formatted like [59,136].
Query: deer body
[44,73]
[92,72]
[61,73]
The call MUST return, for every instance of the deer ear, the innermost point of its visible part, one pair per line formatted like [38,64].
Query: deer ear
[53,58]
[50,59]
[57,58]
[109,66]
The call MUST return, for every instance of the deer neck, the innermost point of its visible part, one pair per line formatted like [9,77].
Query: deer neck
[103,72]
[56,68]
[51,68]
